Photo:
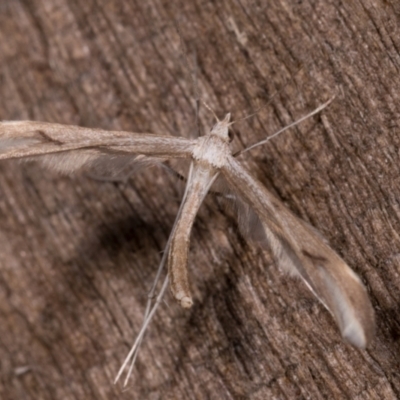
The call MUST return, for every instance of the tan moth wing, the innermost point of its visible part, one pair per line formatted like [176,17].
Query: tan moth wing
[299,249]
[68,148]
[296,246]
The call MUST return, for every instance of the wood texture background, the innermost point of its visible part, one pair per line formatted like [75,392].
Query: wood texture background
[78,256]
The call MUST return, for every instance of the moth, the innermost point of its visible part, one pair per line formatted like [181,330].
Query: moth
[296,246]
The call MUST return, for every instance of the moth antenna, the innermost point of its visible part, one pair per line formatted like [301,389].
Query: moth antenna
[197,96]
[210,109]
[268,102]
[316,111]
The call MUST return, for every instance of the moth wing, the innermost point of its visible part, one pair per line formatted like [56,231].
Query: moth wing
[68,148]
[300,250]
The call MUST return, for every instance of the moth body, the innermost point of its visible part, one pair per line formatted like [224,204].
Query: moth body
[213,148]
[210,153]
[296,246]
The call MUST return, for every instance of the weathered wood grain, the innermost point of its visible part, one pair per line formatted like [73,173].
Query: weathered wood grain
[78,256]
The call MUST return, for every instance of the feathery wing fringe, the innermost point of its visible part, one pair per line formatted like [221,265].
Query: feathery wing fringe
[297,247]
[300,250]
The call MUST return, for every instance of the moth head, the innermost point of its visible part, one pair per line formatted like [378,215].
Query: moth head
[221,129]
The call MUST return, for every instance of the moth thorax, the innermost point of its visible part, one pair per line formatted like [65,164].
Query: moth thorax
[211,150]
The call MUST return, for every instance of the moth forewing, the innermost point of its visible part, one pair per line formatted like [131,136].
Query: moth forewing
[19,139]
[296,246]
[299,249]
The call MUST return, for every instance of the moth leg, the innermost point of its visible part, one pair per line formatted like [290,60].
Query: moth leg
[131,357]
[197,188]
[150,307]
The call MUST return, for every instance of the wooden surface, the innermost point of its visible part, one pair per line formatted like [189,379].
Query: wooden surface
[78,256]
